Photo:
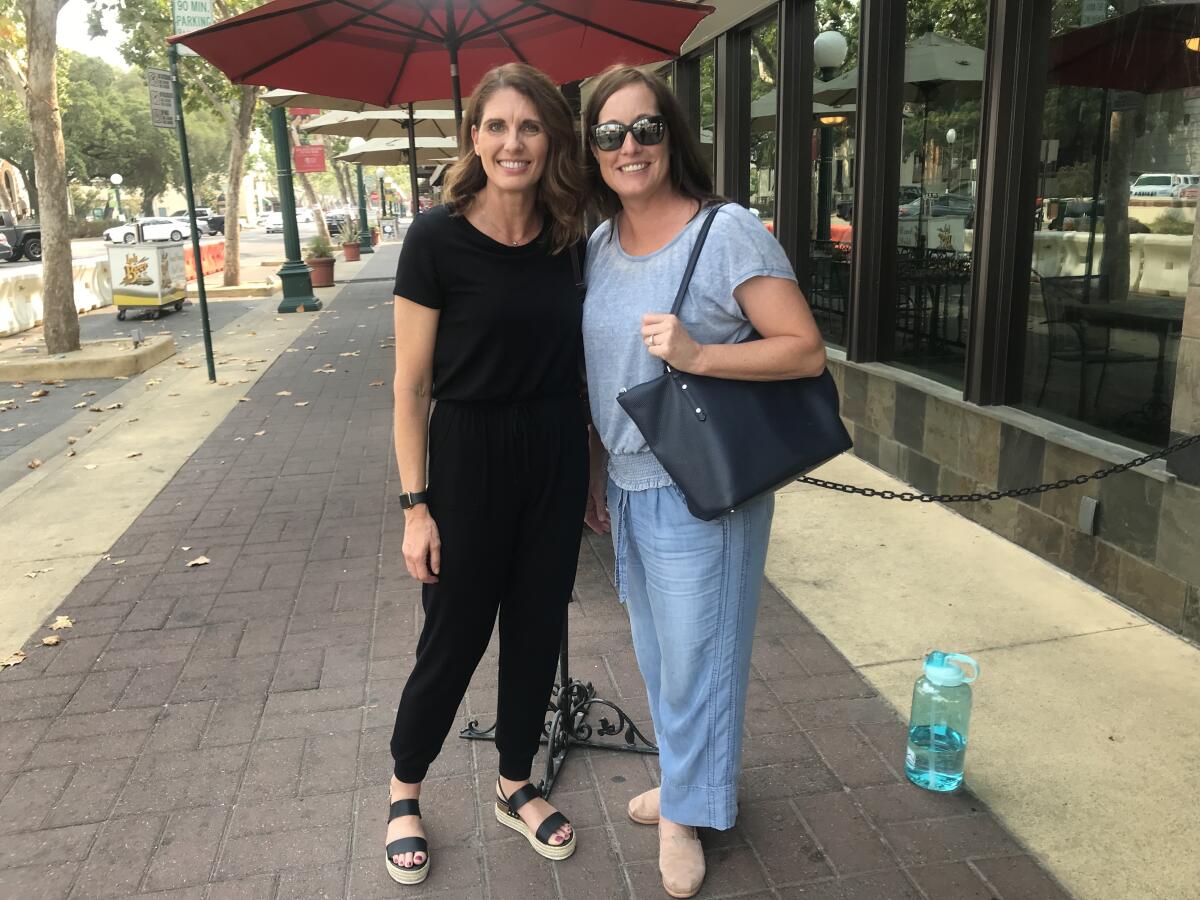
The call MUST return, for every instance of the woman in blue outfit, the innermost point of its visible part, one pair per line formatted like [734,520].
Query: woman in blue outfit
[691,587]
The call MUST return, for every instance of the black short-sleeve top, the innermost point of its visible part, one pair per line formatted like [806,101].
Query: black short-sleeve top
[509,327]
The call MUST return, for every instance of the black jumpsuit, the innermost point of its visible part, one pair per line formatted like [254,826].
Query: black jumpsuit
[508,476]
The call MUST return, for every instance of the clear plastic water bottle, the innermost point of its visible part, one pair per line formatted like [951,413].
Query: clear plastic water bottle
[937,727]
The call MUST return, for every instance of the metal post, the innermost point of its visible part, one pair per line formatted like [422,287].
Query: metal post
[825,184]
[364,232]
[181,131]
[296,276]
[412,163]
[120,214]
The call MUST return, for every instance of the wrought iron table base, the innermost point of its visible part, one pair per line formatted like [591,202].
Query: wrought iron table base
[568,727]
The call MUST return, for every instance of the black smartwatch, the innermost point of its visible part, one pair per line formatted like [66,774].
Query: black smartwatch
[412,498]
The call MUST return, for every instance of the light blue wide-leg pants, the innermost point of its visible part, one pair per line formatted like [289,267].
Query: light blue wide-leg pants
[691,588]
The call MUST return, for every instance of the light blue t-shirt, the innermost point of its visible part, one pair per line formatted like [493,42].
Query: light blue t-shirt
[622,288]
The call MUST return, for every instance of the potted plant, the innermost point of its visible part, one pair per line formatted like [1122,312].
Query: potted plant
[320,260]
[350,248]
[374,235]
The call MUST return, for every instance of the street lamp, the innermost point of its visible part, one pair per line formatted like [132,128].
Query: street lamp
[379,173]
[116,180]
[364,232]
[951,137]
[829,53]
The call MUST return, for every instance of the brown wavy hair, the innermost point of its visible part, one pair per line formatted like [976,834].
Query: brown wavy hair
[560,190]
[687,171]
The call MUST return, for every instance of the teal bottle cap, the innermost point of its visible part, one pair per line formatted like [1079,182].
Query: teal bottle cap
[950,669]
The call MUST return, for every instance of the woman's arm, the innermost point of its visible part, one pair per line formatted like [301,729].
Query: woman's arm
[791,345]
[416,331]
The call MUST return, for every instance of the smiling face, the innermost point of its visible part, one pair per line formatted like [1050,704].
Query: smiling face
[511,141]
[634,172]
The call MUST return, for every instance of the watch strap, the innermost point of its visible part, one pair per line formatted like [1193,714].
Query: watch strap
[412,498]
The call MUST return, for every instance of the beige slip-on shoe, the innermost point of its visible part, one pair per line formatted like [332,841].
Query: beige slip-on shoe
[643,808]
[681,863]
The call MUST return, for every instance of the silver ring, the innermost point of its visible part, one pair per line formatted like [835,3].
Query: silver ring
[652,341]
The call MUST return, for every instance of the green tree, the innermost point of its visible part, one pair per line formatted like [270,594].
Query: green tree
[147,24]
[29,67]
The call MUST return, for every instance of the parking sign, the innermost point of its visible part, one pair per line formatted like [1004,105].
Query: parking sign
[162,98]
[188,15]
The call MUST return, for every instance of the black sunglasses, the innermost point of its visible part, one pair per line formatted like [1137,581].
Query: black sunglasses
[647,131]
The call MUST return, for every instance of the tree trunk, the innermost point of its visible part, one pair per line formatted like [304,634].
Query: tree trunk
[1115,260]
[41,103]
[343,183]
[310,196]
[239,145]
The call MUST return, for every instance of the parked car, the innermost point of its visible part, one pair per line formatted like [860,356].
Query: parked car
[1162,184]
[216,224]
[943,205]
[24,238]
[203,213]
[907,193]
[274,223]
[6,250]
[305,216]
[153,229]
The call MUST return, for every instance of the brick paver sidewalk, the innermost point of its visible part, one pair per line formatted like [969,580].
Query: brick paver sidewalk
[221,732]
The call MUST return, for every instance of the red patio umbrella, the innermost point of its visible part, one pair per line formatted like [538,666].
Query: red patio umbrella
[1150,50]
[396,51]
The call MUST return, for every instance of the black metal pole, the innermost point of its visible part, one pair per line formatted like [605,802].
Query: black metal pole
[181,131]
[825,184]
[412,163]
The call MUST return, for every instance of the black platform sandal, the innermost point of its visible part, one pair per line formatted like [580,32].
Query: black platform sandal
[506,814]
[413,874]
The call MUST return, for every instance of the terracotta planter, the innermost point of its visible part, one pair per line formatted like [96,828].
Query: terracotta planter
[322,270]
[351,251]
[374,236]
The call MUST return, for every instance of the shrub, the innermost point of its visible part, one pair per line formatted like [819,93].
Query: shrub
[91,229]
[1171,222]
[319,248]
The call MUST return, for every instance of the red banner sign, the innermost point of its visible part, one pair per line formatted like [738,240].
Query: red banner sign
[304,111]
[309,158]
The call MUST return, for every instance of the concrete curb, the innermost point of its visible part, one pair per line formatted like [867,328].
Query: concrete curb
[238,291]
[95,359]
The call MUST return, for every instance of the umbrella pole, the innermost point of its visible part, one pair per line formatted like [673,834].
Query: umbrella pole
[412,162]
[1101,140]
[924,146]
[456,92]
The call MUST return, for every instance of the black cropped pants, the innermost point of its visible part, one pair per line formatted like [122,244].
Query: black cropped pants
[507,489]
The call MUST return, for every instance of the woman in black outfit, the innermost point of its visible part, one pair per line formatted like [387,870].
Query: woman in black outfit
[487,316]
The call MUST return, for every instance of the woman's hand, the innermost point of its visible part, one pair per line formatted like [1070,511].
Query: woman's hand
[666,338]
[595,516]
[422,545]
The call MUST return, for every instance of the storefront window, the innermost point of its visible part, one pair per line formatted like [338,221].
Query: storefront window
[708,110]
[944,71]
[833,140]
[764,105]
[1119,180]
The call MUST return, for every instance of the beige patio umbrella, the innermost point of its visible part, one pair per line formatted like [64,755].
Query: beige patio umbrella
[289,99]
[383,123]
[395,151]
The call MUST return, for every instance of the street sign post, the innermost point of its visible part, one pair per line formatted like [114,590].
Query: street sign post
[162,98]
[188,15]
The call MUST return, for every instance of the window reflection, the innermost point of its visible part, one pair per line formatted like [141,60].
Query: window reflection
[1119,182]
[944,71]
[708,110]
[835,54]
[764,103]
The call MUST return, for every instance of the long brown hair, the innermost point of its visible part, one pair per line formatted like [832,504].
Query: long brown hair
[560,190]
[687,171]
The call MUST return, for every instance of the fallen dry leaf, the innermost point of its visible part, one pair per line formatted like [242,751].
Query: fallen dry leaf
[36,572]
[15,660]
[70,453]
[239,438]
[95,409]
[5,430]
[259,433]
[311,347]
[115,406]
[51,640]
[80,405]
[199,561]
[349,353]
[90,466]
[131,421]
[61,622]
[34,464]
[72,440]
[185,548]
[133,455]
[283,393]
[376,384]
[291,350]
[243,399]
[88,394]
[40,393]
[33,400]
[301,403]
[118,562]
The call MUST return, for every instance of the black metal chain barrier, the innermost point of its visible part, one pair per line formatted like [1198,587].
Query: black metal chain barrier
[1000,495]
